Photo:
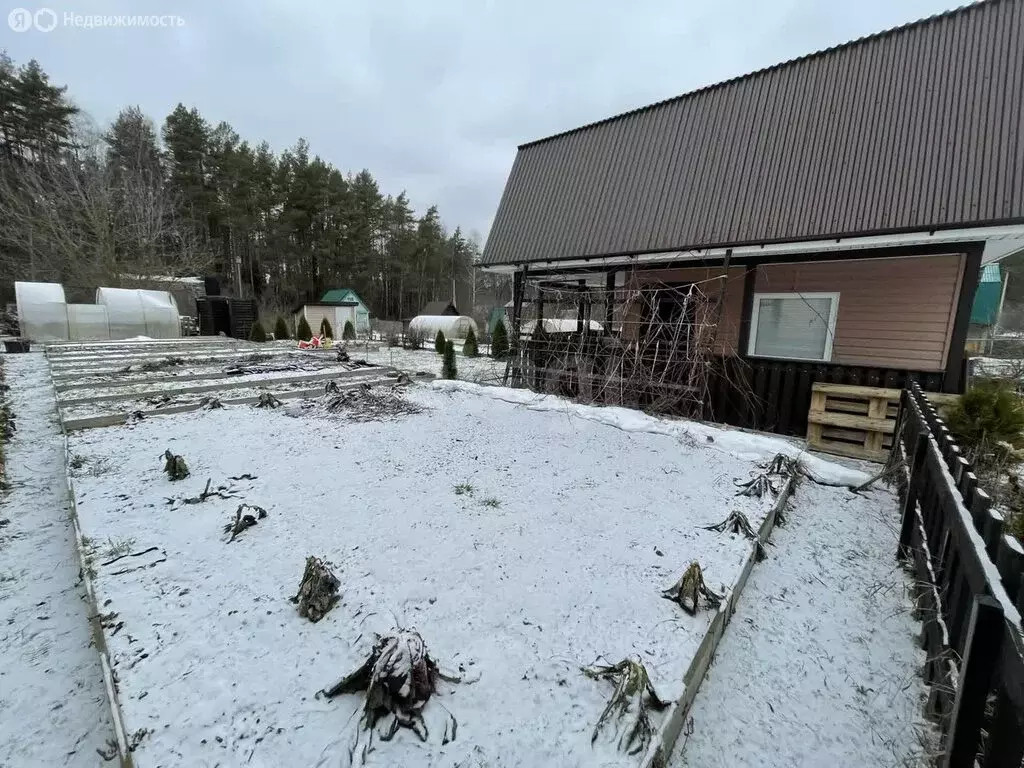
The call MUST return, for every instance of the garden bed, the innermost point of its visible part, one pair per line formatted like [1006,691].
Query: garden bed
[522,542]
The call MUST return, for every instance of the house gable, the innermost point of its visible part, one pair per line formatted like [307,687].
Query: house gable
[913,129]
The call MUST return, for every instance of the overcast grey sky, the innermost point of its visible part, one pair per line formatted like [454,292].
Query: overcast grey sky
[431,96]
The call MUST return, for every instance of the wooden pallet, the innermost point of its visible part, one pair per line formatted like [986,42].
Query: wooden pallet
[858,422]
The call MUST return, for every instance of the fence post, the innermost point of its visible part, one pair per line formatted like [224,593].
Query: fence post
[1006,736]
[913,486]
[981,654]
[968,484]
[1010,562]
[992,531]
[979,509]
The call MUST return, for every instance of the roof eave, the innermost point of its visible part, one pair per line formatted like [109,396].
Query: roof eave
[746,251]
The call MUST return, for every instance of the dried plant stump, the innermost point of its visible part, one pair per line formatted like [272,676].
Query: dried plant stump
[318,590]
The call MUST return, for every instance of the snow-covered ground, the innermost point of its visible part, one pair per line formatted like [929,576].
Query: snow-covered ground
[553,554]
[819,666]
[53,708]
[481,369]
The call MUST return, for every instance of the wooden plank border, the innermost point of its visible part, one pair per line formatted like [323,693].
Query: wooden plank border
[125,757]
[672,726]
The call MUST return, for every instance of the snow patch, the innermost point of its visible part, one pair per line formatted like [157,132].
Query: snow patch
[820,664]
[743,445]
[53,708]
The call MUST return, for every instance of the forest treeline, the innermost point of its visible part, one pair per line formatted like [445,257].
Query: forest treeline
[88,207]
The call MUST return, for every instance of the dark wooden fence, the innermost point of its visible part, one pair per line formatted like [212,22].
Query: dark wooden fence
[769,395]
[969,595]
[775,395]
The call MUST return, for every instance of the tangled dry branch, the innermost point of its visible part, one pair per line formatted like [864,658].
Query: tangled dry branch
[365,403]
[644,344]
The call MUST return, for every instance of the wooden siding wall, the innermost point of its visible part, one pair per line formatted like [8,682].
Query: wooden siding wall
[729,332]
[315,314]
[893,313]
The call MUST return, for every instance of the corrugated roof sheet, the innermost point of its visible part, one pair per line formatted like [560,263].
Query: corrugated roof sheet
[341,294]
[915,128]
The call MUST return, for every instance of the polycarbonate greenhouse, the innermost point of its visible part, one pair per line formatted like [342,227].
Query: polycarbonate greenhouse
[452,326]
[42,311]
[135,312]
[119,313]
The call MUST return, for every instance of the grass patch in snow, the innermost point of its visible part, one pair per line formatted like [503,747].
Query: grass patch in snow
[491,502]
[84,465]
[464,489]
[117,548]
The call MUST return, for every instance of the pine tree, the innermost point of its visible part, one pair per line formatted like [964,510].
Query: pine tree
[303,332]
[189,195]
[499,342]
[439,343]
[132,148]
[349,332]
[10,110]
[281,329]
[469,348]
[448,367]
[257,333]
[186,136]
[45,112]
[325,329]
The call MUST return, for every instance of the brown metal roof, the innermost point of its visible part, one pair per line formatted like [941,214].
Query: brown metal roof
[917,128]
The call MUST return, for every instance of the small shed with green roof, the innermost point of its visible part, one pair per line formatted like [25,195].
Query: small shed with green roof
[337,295]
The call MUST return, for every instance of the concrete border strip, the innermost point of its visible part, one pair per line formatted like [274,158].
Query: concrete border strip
[229,382]
[92,605]
[658,753]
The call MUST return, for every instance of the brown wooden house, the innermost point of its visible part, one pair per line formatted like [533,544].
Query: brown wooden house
[834,209]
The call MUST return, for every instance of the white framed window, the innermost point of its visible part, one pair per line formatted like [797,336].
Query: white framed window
[793,326]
